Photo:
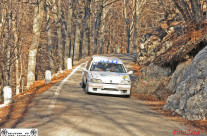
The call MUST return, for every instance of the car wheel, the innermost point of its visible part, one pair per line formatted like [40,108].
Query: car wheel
[128,96]
[82,84]
[86,89]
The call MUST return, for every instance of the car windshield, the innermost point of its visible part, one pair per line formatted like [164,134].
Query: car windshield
[108,67]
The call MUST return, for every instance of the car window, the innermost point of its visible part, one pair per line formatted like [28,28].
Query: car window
[89,62]
[108,67]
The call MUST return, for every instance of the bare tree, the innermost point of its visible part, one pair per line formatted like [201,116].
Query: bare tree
[16,39]
[2,44]
[77,44]
[191,11]
[37,22]
[68,30]
[102,25]
[49,35]
[98,14]
[129,23]
[139,7]
[86,28]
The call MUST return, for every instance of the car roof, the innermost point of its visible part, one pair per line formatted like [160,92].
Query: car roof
[106,59]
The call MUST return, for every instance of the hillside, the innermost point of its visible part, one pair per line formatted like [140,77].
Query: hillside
[173,60]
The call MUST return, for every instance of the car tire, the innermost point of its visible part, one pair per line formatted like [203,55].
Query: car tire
[128,96]
[86,89]
[82,84]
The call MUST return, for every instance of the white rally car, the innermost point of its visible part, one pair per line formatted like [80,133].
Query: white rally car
[106,75]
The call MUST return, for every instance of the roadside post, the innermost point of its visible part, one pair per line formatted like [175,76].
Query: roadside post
[7,94]
[48,76]
[69,64]
[117,49]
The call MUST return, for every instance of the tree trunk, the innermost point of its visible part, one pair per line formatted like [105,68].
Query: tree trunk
[197,12]
[128,40]
[86,33]
[14,31]
[37,22]
[127,26]
[72,45]
[102,28]
[49,42]
[2,69]
[98,15]
[2,23]
[8,48]
[68,32]
[190,10]
[59,34]
[135,36]
[77,43]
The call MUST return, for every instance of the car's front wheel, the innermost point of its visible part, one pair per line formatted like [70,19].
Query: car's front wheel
[128,96]
[82,84]
[86,89]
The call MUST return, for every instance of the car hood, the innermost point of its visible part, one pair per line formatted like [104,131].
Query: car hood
[110,77]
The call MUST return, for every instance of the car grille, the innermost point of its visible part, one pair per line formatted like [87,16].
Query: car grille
[110,89]
[112,83]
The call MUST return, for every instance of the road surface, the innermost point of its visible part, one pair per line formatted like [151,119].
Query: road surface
[66,110]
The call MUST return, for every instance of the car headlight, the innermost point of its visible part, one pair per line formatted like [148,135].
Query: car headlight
[125,82]
[93,80]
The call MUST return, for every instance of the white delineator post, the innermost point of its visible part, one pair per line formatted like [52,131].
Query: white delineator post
[69,64]
[48,76]
[7,95]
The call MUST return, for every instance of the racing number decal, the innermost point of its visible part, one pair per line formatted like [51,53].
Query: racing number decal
[124,77]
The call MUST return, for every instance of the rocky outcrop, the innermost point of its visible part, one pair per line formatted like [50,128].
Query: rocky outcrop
[168,85]
[190,87]
[175,45]
[150,79]
[158,41]
[176,77]
[162,93]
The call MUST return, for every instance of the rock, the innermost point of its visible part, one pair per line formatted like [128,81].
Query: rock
[150,78]
[171,16]
[177,75]
[190,98]
[171,29]
[174,23]
[154,38]
[142,46]
[146,37]
[155,43]
[160,32]
[161,93]
[168,44]
[151,46]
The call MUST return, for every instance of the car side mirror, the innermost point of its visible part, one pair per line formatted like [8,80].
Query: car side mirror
[130,72]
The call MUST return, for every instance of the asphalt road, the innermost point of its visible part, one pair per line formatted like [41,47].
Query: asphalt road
[65,110]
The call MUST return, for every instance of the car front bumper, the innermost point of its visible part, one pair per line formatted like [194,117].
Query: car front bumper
[115,89]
